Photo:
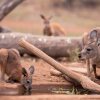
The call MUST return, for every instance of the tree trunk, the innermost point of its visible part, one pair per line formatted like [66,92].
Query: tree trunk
[79,78]
[53,46]
[75,69]
[7,6]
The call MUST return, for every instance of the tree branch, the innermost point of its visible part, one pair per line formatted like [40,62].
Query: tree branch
[7,6]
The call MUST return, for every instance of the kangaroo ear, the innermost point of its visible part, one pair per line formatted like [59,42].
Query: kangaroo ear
[42,16]
[24,72]
[93,35]
[31,70]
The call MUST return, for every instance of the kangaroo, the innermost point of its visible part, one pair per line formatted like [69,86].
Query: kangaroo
[52,29]
[11,66]
[91,51]
[88,38]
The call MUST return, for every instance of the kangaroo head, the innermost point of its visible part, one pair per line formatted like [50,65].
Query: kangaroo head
[89,51]
[45,19]
[26,79]
[91,48]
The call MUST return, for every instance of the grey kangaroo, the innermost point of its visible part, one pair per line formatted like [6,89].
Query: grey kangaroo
[91,50]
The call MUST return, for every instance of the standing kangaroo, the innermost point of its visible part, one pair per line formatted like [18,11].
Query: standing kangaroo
[52,29]
[90,49]
[11,66]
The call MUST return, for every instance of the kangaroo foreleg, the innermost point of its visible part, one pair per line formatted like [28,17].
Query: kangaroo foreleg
[88,68]
[94,69]
[2,73]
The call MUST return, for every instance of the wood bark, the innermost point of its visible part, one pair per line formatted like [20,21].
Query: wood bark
[53,46]
[79,78]
[75,69]
[7,6]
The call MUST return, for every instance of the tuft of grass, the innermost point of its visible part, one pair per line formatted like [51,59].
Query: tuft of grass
[73,55]
[71,91]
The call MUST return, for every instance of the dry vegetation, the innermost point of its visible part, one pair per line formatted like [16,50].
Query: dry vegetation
[25,18]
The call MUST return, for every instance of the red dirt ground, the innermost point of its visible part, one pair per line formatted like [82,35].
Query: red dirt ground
[42,70]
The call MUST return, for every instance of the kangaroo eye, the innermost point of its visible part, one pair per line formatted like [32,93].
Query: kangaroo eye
[98,44]
[89,49]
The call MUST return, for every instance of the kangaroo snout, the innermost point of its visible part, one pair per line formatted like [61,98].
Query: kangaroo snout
[79,56]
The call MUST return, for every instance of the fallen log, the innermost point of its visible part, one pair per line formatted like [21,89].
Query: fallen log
[78,70]
[79,78]
[7,6]
[53,46]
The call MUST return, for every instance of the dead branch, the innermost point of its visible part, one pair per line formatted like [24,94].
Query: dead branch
[79,78]
[53,46]
[75,69]
[7,6]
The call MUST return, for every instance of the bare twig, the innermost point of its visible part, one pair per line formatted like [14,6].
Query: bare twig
[7,6]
